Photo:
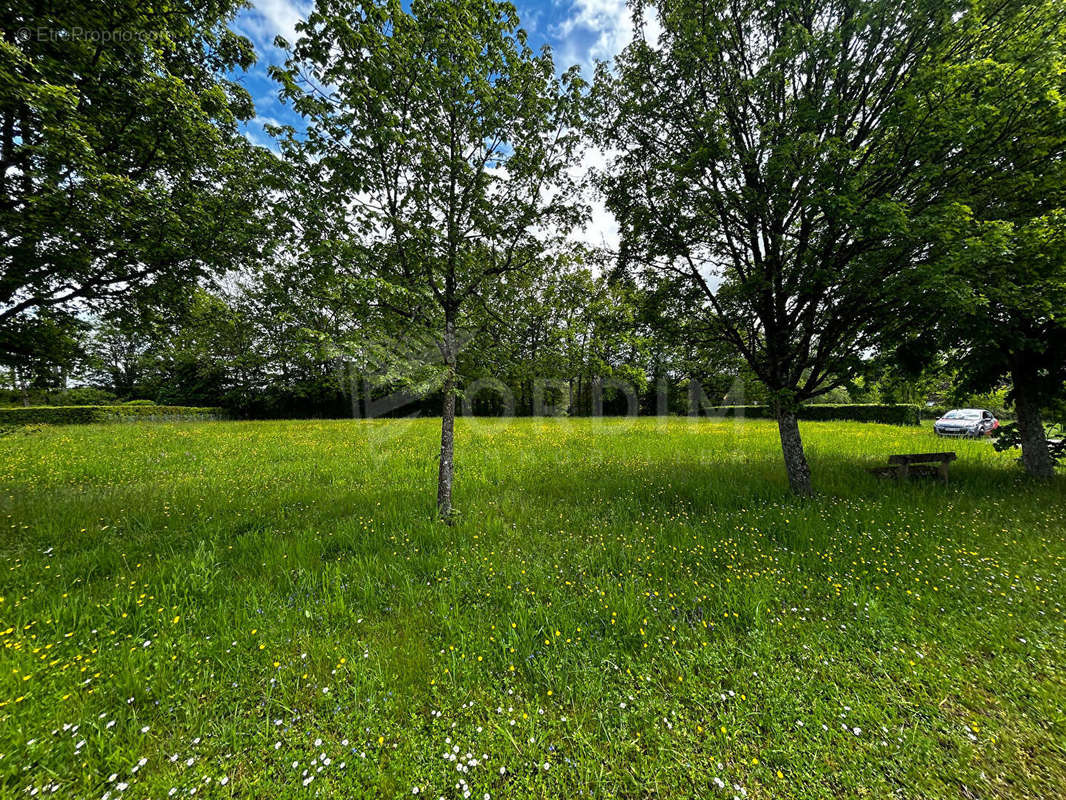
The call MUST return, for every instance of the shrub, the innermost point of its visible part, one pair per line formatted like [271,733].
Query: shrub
[81,396]
[934,412]
[79,415]
[885,413]
[888,414]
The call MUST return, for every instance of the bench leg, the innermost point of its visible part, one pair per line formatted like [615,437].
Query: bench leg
[944,471]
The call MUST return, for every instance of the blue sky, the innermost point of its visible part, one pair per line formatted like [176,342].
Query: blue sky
[579,32]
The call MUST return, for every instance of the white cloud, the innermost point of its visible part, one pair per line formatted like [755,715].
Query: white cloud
[609,24]
[269,18]
[597,30]
[601,230]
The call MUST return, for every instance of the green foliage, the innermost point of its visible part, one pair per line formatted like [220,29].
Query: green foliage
[743,171]
[993,278]
[993,401]
[888,414]
[433,175]
[127,412]
[78,396]
[125,173]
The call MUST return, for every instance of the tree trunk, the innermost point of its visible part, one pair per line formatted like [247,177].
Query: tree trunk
[447,431]
[22,387]
[799,473]
[1035,456]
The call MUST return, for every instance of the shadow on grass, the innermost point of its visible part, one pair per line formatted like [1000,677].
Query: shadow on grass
[693,487]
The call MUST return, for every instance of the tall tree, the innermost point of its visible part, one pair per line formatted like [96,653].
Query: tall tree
[996,278]
[439,142]
[122,170]
[767,156]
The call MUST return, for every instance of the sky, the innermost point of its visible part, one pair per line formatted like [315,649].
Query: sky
[578,31]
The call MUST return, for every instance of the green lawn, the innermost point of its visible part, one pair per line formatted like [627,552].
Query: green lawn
[624,609]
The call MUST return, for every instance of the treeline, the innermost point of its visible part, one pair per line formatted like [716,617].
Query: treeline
[586,347]
[575,343]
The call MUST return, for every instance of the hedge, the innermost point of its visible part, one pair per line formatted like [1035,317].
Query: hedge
[895,414]
[79,415]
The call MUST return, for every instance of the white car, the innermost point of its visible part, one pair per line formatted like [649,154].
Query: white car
[970,422]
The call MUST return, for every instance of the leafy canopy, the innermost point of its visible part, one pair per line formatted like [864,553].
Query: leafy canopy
[122,170]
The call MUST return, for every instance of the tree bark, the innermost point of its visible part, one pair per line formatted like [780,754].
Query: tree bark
[447,432]
[1035,456]
[799,472]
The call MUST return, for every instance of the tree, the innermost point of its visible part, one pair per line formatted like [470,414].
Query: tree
[42,357]
[996,282]
[768,155]
[436,150]
[1007,316]
[122,170]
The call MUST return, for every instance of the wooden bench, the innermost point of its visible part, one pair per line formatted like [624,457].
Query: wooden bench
[915,464]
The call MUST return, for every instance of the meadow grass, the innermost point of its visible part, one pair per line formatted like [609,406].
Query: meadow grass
[626,608]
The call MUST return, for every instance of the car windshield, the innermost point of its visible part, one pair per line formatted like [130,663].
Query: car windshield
[963,414]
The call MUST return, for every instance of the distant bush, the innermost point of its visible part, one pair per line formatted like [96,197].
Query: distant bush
[934,412]
[140,403]
[80,415]
[888,414]
[82,396]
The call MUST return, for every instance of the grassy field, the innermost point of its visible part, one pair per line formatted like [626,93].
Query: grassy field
[624,609]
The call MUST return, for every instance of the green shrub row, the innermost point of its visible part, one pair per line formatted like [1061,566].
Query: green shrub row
[79,415]
[889,414]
